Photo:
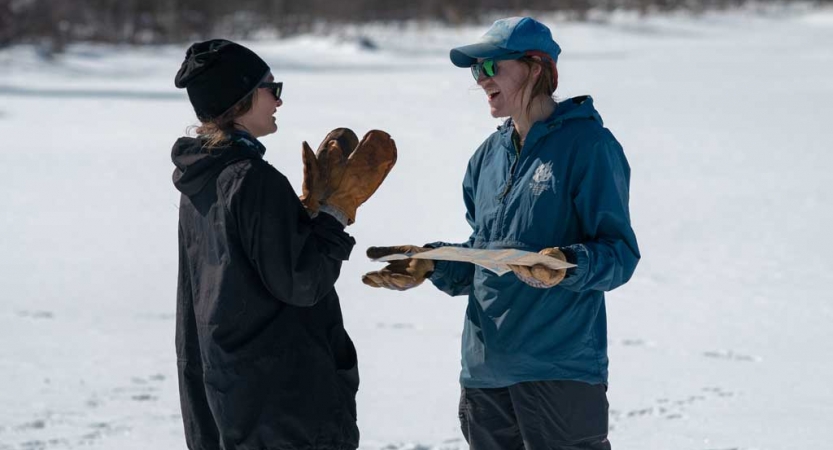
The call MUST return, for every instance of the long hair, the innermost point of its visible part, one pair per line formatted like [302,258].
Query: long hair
[216,131]
[547,82]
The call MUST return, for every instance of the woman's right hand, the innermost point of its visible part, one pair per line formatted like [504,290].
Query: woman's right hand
[402,274]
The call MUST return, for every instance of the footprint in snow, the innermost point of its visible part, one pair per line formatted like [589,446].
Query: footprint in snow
[142,389]
[396,326]
[36,314]
[669,409]
[731,356]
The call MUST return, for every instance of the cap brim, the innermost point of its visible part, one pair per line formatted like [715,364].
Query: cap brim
[467,55]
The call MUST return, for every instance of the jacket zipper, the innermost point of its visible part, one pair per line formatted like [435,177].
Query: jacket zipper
[506,190]
[511,180]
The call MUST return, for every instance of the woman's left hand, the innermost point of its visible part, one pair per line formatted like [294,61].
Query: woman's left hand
[325,168]
[539,275]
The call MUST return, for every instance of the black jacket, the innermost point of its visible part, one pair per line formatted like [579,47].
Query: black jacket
[264,360]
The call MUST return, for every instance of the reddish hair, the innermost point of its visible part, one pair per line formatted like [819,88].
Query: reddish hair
[551,65]
[547,82]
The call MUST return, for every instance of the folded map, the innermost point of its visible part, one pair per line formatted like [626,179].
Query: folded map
[496,261]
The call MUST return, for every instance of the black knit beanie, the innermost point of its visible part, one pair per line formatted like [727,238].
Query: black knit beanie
[218,74]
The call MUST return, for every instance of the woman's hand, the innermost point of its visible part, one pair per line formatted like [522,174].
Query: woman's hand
[402,274]
[324,169]
[539,275]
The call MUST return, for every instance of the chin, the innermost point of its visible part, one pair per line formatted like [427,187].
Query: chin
[271,128]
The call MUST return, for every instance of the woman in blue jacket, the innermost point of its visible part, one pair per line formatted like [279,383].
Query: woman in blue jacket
[552,180]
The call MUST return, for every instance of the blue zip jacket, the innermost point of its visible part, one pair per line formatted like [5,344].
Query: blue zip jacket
[567,187]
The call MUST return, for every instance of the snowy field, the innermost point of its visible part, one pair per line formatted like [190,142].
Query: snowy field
[721,341]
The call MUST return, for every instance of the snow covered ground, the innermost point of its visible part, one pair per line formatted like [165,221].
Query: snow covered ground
[721,341]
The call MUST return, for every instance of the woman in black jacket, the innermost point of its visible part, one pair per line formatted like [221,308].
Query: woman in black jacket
[264,360]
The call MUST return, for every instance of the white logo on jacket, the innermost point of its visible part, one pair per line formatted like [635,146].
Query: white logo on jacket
[541,178]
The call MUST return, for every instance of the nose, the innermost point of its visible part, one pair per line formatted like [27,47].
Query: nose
[278,103]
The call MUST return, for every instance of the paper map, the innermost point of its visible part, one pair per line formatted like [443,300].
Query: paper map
[496,261]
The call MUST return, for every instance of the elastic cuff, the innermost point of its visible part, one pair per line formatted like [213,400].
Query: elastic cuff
[571,257]
[439,268]
[580,258]
[569,254]
[335,213]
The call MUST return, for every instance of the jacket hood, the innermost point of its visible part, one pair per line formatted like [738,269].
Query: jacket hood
[196,165]
[576,108]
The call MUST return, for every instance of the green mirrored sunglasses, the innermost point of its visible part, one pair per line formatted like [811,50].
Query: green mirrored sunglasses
[488,67]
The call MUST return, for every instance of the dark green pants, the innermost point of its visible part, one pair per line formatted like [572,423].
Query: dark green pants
[537,415]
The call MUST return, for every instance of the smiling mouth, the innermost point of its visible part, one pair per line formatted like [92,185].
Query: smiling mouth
[492,95]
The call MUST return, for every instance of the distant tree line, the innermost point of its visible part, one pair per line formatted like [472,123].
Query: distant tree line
[55,23]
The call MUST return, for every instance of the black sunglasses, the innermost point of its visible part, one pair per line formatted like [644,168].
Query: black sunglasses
[274,88]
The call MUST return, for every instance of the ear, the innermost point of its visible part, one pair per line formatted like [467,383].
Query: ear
[536,68]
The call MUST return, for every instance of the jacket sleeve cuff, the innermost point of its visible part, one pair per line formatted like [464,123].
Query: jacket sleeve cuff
[576,254]
[335,213]
[439,266]
[439,270]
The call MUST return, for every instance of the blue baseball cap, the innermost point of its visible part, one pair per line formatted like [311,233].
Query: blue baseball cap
[509,35]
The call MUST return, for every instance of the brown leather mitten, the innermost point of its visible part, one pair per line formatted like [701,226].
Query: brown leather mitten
[312,190]
[398,275]
[366,168]
[326,167]
[539,275]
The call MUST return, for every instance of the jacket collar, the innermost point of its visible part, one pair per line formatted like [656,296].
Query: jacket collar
[244,138]
[571,109]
